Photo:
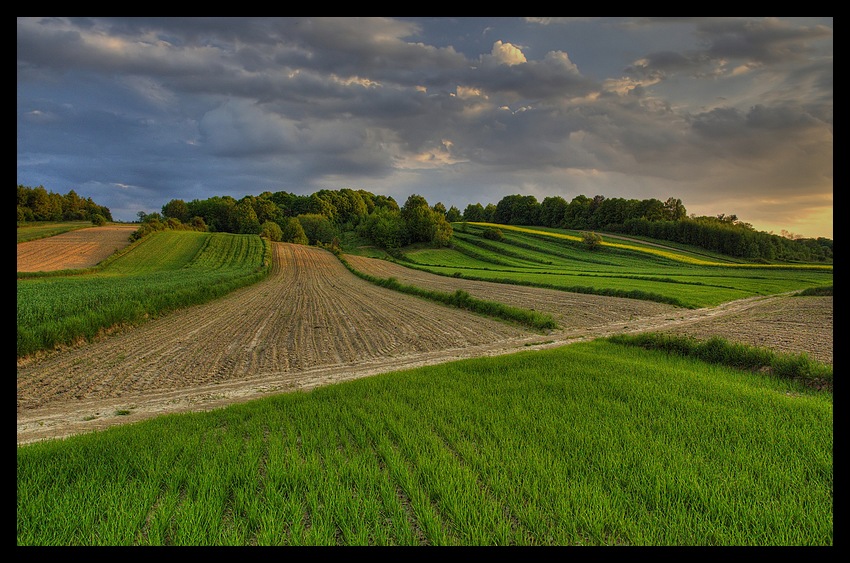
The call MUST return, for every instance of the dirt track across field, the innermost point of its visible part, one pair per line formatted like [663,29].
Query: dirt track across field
[314,323]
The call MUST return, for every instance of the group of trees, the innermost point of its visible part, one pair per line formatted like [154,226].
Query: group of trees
[37,204]
[582,213]
[667,220]
[318,218]
[322,217]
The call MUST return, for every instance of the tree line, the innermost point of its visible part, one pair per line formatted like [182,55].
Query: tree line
[322,217]
[38,204]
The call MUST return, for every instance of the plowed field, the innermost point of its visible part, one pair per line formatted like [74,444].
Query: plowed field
[312,323]
[782,323]
[82,248]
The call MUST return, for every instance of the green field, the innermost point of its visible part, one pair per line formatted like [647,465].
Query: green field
[617,441]
[591,444]
[44,229]
[557,259]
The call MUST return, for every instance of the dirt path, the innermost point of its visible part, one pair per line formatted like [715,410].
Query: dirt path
[81,248]
[312,323]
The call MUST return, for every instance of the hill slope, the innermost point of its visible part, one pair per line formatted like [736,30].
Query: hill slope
[312,323]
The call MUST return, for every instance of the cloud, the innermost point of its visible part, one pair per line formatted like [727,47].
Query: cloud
[696,108]
[504,53]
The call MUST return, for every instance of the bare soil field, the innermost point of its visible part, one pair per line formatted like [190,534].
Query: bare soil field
[785,324]
[313,323]
[82,248]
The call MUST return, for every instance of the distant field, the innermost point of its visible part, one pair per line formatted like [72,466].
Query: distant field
[164,271]
[42,229]
[76,247]
[638,270]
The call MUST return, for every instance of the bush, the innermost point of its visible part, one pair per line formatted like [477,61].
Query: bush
[591,240]
[493,234]
[271,231]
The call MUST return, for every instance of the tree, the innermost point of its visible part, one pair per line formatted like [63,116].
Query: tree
[418,218]
[517,210]
[552,211]
[674,210]
[266,209]
[245,218]
[198,224]
[271,231]
[74,207]
[176,208]
[493,233]
[318,228]
[292,231]
[591,240]
[385,228]
[652,209]
[442,230]
[577,213]
[44,207]
[489,213]
[474,213]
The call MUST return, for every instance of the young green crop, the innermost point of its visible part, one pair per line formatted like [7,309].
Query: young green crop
[44,229]
[558,260]
[594,443]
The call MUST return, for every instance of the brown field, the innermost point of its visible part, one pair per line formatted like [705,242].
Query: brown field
[313,323]
[82,248]
[785,324]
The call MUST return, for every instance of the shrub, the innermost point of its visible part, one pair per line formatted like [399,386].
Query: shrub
[493,234]
[271,231]
[591,240]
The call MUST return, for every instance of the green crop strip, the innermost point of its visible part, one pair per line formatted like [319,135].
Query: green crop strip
[671,255]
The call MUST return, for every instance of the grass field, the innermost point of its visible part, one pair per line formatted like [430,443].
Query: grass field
[552,259]
[591,444]
[44,229]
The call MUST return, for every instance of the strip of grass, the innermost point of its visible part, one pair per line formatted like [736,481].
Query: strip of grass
[681,284]
[718,350]
[671,254]
[44,229]
[595,443]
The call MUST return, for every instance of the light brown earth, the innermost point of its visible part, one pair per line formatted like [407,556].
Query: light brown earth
[312,323]
[81,248]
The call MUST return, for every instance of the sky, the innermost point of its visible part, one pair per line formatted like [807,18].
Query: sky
[733,116]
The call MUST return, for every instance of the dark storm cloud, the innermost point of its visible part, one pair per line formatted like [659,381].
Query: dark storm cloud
[143,110]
